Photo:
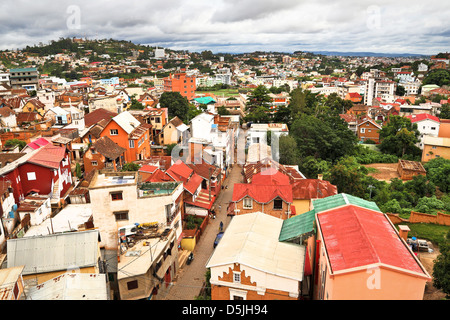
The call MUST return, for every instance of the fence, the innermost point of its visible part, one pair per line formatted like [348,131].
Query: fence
[418,217]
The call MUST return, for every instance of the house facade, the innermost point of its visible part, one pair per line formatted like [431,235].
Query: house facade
[360,254]
[368,130]
[240,271]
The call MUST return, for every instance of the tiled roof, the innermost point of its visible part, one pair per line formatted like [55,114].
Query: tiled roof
[108,148]
[95,116]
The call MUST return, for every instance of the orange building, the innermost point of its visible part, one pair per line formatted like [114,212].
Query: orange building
[368,130]
[182,83]
[126,131]
[360,255]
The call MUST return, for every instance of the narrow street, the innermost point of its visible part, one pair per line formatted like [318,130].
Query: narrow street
[190,278]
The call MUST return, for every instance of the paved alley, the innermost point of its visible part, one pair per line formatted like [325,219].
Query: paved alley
[190,278]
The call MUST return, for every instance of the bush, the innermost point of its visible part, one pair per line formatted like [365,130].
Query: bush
[193,222]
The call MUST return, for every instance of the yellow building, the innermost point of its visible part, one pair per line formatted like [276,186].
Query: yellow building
[435,147]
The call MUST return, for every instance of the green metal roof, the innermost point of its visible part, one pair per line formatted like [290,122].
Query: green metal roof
[341,200]
[23,70]
[205,100]
[297,226]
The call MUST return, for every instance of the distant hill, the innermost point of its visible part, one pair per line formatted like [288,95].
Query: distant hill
[369,54]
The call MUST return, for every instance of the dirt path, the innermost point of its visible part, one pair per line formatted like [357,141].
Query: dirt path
[427,260]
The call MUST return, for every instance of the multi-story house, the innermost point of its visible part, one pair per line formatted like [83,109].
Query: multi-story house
[45,171]
[122,201]
[240,271]
[368,129]
[130,134]
[384,89]
[182,83]
[25,78]
[427,125]
[358,247]
[104,154]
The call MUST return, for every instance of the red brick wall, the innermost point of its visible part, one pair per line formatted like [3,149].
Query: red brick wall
[223,292]
[266,208]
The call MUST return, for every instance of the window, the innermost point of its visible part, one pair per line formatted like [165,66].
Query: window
[433,128]
[31,176]
[121,215]
[132,285]
[94,163]
[116,196]
[114,132]
[277,204]
[248,203]
[236,277]
[131,144]
[363,130]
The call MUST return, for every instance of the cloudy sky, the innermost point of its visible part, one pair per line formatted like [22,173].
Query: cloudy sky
[401,26]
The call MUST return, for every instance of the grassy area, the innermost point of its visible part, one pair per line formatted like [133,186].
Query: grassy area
[431,232]
[223,92]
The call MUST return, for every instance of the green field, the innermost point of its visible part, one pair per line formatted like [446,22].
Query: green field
[222,92]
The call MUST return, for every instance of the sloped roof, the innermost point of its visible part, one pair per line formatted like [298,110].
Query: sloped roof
[180,171]
[297,226]
[126,121]
[48,156]
[71,286]
[270,176]
[193,183]
[262,193]
[357,237]
[108,148]
[252,240]
[54,252]
[38,143]
[422,116]
[98,114]
[313,189]
[342,199]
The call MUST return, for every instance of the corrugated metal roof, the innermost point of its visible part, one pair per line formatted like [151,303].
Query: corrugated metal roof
[252,240]
[126,121]
[297,226]
[357,237]
[71,286]
[342,199]
[54,252]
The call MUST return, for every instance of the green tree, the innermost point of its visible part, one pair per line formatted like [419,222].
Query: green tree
[130,167]
[177,105]
[78,172]
[399,136]
[15,142]
[287,150]
[441,268]
[440,77]
[438,172]
[348,176]
[258,98]
[445,111]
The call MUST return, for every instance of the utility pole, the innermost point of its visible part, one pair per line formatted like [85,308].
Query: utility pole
[209,184]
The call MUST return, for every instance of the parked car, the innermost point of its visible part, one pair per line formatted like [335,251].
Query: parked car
[218,237]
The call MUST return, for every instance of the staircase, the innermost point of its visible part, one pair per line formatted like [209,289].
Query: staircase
[55,194]
[203,197]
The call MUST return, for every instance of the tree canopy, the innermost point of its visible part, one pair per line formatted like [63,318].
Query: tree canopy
[177,105]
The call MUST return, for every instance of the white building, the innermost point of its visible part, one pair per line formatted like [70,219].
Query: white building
[427,125]
[120,201]
[384,89]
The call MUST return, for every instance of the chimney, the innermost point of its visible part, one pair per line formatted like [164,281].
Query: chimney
[403,231]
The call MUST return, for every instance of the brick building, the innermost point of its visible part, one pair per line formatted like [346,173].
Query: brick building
[182,83]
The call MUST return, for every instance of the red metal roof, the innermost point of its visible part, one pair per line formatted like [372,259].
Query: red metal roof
[421,117]
[180,171]
[38,143]
[148,168]
[159,176]
[49,156]
[194,182]
[313,189]
[270,176]
[356,237]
